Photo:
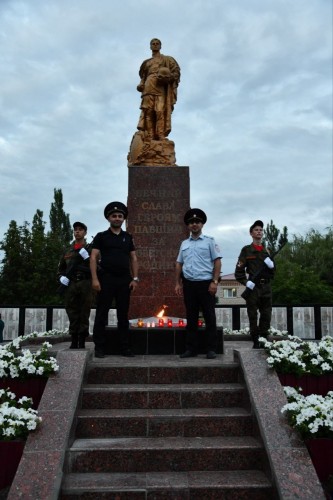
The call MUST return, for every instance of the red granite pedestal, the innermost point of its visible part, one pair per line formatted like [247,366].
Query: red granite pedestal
[158,198]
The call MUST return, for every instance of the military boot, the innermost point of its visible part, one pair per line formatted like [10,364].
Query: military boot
[75,341]
[82,341]
[255,338]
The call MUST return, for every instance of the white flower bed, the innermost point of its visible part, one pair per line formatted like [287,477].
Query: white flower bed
[298,357]
[33,335]
[246,331]
[26,363]
[17,418]
[311,415]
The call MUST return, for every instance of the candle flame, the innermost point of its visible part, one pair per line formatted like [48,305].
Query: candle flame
[160,314]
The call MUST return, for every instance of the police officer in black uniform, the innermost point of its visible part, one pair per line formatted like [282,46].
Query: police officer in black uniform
[114,271]
[254,259]
[74,276]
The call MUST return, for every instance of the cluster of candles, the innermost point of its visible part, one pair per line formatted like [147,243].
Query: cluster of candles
[161,323]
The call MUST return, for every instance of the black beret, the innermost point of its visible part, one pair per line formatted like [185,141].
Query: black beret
[76,224]
[257,223]
[195,213]
[115,206]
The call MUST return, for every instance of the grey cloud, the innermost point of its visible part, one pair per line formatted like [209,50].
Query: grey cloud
[253,118]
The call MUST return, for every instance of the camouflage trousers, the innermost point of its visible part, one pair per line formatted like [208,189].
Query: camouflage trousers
[260,301]
[78,302]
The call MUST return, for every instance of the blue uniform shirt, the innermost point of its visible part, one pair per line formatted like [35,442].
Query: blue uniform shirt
[197,257]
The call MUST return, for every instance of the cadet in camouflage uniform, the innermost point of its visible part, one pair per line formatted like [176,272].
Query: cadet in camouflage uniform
[74,274]
[252,258]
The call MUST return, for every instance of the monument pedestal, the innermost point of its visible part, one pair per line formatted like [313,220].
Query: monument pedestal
[158,340]
[158,198]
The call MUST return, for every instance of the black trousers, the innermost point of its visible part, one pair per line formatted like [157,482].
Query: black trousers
[112,288]
[196,296]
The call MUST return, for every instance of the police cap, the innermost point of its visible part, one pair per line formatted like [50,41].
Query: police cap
[195,214]
[80,224]
[115,206]
[256,223]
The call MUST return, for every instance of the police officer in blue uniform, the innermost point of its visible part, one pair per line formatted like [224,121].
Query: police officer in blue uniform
[114,273]
[198,269]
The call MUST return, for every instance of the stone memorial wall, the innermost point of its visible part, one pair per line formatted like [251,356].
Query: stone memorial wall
[311,322]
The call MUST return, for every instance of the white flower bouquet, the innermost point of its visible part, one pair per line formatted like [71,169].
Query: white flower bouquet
[17,418]
[299,357]
[311,415]
[25,364]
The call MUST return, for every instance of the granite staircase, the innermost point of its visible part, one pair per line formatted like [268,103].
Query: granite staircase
[165,429]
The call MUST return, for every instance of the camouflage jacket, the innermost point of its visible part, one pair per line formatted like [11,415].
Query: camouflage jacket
[71,263]
[249,262]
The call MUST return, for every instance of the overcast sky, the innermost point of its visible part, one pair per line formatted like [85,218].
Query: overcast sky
[253,119]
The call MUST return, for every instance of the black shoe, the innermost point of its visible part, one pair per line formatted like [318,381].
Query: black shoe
[211,355]
[188,354]
[256,345]
[99,354]
[73,345]
[128,353]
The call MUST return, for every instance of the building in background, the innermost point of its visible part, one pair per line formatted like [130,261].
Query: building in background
[229,291]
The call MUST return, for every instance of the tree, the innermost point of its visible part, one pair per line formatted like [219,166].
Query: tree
[273,238]
[315,250]
[304,270]
[59,220]
[29,266]
[58,238]
[39,285]
[16,252]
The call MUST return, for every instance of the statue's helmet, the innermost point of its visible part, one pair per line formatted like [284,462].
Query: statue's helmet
[164,74]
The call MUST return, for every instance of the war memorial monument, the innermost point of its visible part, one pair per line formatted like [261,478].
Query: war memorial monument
[158,189]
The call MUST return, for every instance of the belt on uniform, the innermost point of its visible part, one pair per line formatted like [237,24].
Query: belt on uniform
[80,277]
[262,281]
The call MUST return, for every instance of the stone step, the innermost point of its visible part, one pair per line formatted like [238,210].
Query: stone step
[164,423]
[196,485]
[163,395]
[163,454]
[176,372]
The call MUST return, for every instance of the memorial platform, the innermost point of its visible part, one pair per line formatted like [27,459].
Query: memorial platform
[165,340]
